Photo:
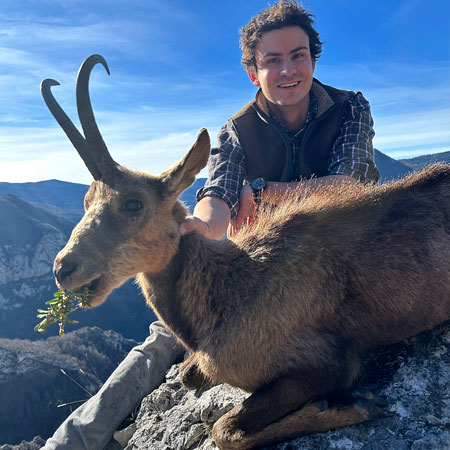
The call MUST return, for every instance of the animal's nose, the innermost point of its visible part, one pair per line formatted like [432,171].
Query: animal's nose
[62,270]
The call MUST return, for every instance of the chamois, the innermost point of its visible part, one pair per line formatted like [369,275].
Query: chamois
[286,308]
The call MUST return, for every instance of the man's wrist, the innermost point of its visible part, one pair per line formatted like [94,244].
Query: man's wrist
[258,186]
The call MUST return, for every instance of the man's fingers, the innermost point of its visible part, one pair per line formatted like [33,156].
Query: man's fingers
[232,228]
[188,226]
[237,223]
[192,224]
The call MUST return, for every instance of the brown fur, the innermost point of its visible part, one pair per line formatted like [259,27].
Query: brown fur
[298,296]
[286,308]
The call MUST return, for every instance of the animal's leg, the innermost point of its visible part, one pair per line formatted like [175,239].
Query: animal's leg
[190,374]
[276,406]
[235,429]
[312,418]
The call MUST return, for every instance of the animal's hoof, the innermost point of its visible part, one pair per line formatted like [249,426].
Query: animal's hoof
[370,410]
[370,396]
[191,376]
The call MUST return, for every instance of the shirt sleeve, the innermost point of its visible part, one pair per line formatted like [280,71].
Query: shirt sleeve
[226,169]
[352,152]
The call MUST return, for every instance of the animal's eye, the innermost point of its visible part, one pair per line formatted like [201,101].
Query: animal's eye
[132,206]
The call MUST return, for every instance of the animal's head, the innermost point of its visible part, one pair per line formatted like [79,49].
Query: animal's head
[131,218]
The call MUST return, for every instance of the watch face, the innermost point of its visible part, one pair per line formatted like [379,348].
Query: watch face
[258,183]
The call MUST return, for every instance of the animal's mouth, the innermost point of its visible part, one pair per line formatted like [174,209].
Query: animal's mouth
[93,285]
[97,290]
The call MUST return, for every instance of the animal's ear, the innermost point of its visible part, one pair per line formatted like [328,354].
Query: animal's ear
[182,174]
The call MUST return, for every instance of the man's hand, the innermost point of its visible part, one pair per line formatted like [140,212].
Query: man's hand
[210,218]
[247,209]
[192,223]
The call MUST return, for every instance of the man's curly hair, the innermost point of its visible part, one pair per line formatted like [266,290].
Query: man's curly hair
[285,13]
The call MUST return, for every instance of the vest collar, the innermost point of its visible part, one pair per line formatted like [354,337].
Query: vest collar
[324,101]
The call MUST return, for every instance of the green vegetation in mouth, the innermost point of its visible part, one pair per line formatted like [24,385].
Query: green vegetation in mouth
[59,308]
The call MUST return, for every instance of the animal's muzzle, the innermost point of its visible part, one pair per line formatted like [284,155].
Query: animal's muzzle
[62,270]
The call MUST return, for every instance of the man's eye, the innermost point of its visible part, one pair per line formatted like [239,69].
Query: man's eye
[273,61]
[132,206]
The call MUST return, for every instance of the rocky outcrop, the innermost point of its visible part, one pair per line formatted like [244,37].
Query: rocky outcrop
[37,377]
[414,377]
[29,239]
[35,444]
[27,261]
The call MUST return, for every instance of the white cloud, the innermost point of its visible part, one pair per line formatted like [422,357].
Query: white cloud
[34,154]
[410,104]
[408,135]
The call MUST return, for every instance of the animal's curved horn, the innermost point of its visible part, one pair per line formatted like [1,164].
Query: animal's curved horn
[69,128]
[94,139]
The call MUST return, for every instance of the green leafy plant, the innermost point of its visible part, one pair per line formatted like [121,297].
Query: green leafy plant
[59,308]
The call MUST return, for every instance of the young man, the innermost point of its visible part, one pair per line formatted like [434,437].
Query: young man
[296,128]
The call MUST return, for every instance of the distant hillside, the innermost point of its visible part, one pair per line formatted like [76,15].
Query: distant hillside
[32,384]
[419,162]
[59,197]
[22,223]
[389,168]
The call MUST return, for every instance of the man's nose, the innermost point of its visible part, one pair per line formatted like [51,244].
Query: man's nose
[288,67]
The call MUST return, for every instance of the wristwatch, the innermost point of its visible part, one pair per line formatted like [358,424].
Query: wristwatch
[258,186]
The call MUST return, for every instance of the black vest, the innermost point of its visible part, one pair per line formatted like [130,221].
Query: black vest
[269,155]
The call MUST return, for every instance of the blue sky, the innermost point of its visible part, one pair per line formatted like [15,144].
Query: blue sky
[175,67]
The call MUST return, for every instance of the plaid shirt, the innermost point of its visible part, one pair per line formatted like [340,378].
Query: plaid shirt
[352,153]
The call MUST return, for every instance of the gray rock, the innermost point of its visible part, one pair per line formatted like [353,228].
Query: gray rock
[123,436]
[171,417]
[413,376]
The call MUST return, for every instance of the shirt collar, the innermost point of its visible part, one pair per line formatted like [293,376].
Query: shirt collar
[312,114]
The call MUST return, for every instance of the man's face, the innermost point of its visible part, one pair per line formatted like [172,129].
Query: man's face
[284,66]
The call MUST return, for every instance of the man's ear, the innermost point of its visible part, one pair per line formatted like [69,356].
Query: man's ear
[254,77]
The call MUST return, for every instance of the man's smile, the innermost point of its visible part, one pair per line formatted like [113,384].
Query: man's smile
[289,85]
